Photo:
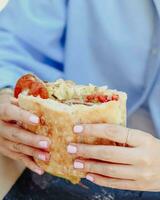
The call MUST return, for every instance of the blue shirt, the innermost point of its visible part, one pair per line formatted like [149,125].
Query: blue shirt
[114,43]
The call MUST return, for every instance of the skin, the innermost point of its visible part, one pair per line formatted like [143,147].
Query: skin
[17,143]
[133,166]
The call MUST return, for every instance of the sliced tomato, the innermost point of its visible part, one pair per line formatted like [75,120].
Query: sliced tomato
[103,99]
[115,97]
[97,98]
[90,98]
[33,85]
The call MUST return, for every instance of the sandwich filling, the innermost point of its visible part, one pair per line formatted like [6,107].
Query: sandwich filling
[63,91]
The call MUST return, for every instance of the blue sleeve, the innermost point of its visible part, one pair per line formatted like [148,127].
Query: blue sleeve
[31,39]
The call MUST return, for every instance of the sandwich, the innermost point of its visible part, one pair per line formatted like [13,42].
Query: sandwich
[62,104]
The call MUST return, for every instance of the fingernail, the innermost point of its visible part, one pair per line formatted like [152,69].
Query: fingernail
[71,149]
[34,119]
[44,144]
[42,157]
[78,128]
[39,171]
[78,165]
[90,178]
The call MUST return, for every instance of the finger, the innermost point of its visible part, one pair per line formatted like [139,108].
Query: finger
[14,101]
[29,163]
[115,154]
[114,183]
[115,133]
[110,170]
[8,153]
[19,135]
[10,112]
[27,150]
[26,160]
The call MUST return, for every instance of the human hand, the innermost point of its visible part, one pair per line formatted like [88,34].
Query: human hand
[135,166]
[16,142]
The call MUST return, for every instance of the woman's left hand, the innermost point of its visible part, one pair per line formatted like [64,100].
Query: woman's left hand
[135,166]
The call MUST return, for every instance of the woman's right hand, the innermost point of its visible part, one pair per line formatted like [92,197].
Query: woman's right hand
[16,142]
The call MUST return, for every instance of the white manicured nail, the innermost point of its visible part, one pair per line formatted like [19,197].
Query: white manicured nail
[90,178]
[78,129]
[78,165]
[39,171]
[41,157]
[34,119]
[44,144]
[71,149]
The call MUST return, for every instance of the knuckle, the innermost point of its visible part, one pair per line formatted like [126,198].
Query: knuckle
[88,167]
[18,147]
[81,150]
[14,133]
